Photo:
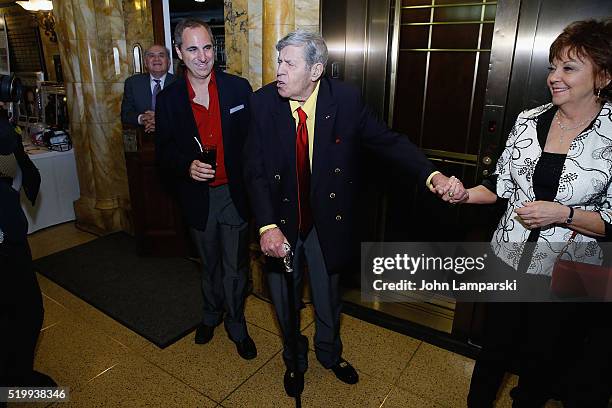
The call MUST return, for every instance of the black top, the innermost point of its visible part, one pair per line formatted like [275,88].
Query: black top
[547,174]
[546,178]
[548,170]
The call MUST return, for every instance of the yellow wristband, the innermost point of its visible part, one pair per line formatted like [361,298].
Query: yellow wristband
[266,228]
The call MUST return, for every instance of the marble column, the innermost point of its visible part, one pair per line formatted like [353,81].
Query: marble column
[92,43]
[307,15]
[255,9]
[278,20]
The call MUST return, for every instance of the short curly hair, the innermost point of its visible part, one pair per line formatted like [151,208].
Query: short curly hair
[591,39]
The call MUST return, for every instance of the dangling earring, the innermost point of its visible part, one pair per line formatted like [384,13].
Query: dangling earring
[598,93]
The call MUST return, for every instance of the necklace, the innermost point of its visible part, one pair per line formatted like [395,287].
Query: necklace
[565,128]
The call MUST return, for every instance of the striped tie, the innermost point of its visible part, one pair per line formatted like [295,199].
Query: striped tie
[156,90]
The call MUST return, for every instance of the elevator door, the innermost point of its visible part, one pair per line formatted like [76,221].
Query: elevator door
[442,65]
[437,89]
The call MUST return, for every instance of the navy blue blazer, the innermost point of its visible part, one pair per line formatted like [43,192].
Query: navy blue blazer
[137,96]
[176,147]
[344,125]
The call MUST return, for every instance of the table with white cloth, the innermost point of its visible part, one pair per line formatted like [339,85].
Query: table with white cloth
[59,188]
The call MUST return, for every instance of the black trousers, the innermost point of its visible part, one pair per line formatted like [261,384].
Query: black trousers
[325,298]
[563,351]
[223,249]
[21,313]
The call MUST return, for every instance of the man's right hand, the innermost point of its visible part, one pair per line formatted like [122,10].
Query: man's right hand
[449,189]
[201,171]
[272,243]
[148,120]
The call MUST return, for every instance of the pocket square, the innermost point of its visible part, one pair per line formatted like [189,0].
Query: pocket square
[236,108]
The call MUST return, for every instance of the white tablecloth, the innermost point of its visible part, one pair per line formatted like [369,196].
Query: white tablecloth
[59,188]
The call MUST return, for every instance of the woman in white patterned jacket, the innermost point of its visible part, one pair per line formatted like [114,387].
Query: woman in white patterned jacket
[556,174]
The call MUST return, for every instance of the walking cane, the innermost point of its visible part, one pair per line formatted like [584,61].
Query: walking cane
[293,326]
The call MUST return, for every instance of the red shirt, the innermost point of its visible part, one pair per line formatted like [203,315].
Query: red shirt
[208,122]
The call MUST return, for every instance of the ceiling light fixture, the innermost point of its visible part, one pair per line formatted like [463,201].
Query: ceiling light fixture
[36,5]
[199,1]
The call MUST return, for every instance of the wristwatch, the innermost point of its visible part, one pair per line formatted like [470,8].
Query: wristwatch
[570,218]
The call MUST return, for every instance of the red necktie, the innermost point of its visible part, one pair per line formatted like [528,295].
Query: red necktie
[303,175]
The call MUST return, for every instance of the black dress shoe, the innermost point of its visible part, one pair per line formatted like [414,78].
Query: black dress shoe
[246,348]
[204,334]
[294,383]
[345,372]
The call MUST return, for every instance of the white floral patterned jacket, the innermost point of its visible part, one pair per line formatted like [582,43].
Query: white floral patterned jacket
[585,183]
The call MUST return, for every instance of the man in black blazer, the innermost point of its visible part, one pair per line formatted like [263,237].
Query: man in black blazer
[302,172]
[21,307]
[140,90]
[209,107]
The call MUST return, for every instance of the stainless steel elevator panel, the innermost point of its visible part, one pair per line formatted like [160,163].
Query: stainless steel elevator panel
[377,51]
[357,36]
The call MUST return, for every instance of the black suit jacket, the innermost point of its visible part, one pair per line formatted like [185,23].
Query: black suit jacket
[176,147]
[343,126]
[13,221]
[137,96]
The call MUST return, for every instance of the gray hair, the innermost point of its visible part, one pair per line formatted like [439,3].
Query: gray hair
[190,23]
[315,49]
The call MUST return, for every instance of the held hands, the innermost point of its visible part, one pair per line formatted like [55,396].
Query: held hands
[536,214]
[148,120]
[201,171]
[449,189]
[272,243]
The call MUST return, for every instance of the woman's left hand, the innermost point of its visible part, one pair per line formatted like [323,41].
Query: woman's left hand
[537,214]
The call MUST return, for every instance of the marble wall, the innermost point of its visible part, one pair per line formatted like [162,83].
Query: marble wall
[254,27]
[94,37]
[138,27]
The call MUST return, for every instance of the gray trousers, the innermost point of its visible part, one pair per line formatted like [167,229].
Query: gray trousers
[223,249]
[325,298]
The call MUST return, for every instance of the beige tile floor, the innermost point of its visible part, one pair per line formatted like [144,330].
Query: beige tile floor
[107,365]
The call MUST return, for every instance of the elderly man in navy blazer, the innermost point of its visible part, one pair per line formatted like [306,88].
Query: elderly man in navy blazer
[210,107]
[302,173]
[140,90]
